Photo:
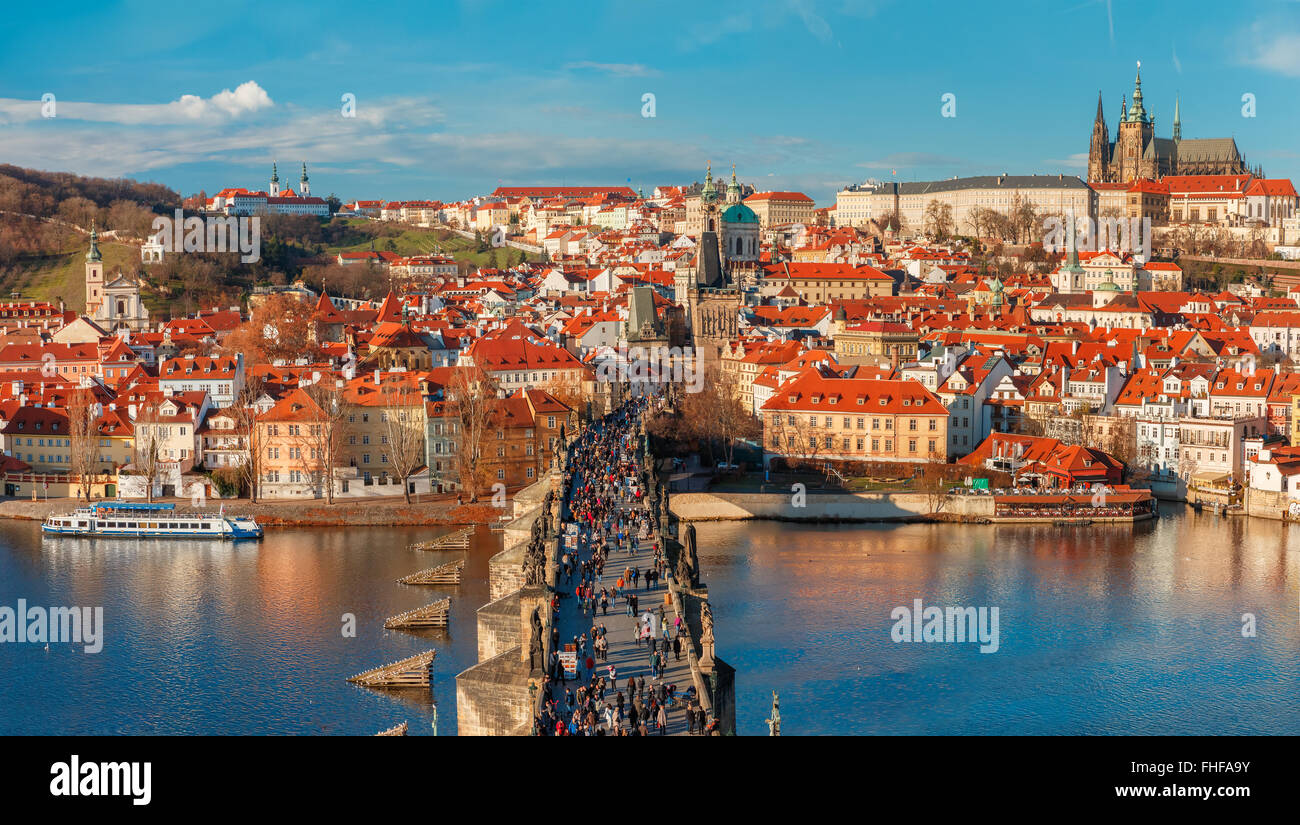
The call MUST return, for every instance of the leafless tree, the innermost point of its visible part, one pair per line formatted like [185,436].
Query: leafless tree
[84,414]
[148,454]
[404,429]
[244,412]
[326,431]
[471,413]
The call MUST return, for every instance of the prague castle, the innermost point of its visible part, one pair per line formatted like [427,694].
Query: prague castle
[1138,153]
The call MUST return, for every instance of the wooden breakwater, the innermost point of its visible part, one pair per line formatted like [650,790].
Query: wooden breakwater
[431,615]
[411,672]
[448,573]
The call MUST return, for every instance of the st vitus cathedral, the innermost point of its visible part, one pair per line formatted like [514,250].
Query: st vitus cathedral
[1138,153]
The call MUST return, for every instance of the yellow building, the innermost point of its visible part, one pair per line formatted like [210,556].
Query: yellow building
[780,208]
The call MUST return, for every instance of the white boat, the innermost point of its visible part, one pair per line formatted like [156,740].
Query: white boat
[133,519]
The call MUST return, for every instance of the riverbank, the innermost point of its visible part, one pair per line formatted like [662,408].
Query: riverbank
[850,508]
[370,512]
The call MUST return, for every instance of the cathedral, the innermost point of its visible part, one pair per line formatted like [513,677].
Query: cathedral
[1138,153]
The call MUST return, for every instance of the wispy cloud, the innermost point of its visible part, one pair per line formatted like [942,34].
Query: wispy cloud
[910,159]
[772,14]
[1078,160]
[615,69]
[1274,51]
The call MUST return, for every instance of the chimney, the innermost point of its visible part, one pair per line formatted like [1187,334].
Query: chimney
[378,377]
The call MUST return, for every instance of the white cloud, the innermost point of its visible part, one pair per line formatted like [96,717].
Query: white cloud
[247,98]
[1276,52]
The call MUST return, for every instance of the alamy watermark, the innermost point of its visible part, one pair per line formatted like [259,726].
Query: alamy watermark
[652,365]
[952,625]
[53,625]
[211,234]
[1122,235]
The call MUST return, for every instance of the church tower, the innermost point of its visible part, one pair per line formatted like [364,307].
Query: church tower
[94,273]
[274,189]
[304,188]
[733,190]
[1099,147]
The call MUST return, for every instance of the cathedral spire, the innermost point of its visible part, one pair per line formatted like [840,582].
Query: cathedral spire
[1100,117]
[1178,121]
[1137,113]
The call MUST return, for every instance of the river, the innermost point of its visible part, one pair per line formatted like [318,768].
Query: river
[1118,629]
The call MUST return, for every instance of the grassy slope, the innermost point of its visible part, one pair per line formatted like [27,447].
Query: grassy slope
[62,276]
[414,241]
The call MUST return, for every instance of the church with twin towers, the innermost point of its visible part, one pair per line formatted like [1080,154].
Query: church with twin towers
[1137,153]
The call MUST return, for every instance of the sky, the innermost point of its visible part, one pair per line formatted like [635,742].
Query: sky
[455,97]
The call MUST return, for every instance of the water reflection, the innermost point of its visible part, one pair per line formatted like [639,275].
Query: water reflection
[1103,630]
[209,637]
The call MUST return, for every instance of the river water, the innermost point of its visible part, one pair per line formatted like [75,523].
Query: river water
[1101,630]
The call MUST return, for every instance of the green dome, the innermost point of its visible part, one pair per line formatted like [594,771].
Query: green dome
[739,213]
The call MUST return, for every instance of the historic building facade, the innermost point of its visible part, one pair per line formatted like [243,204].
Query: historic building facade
[1137,153]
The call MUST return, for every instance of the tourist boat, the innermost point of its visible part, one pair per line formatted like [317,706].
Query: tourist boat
[139,520]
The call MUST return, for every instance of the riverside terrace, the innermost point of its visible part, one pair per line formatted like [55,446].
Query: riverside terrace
[1118,503]
[536,614]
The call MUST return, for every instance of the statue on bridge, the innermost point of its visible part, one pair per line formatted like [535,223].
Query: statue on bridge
[535,654]
[688,562]
[774,724]
[534,564]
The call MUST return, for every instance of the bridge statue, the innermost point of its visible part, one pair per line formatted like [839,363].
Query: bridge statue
[774,724]
[535,654]
[688,562]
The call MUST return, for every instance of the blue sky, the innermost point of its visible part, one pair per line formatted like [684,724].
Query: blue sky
[454,97]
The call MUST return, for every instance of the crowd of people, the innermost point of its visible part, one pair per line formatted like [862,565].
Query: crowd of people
[606,514]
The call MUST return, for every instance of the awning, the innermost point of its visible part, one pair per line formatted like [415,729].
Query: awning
[1211,477]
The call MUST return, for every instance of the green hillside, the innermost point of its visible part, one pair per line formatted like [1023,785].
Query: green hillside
[413,241]
[61,276]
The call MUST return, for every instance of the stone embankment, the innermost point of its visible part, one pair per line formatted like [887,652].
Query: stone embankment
[387,512]
[831,507]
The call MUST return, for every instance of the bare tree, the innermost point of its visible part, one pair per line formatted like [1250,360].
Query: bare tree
[326,430]
[244,412]
[471,412]
[937,220]
[84,414]
[148,454]
[404,429]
